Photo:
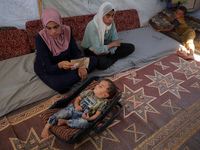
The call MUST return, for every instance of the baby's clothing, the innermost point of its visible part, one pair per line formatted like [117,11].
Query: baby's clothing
[90,103]
[100,103]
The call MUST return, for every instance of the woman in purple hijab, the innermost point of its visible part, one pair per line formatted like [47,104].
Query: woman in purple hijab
[56,47]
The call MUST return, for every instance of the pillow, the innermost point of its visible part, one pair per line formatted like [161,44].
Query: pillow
[176,1]
[164,19]
[13,43]
[7,28]
[191,5]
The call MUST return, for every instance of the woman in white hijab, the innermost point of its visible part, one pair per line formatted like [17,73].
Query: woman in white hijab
[101,39]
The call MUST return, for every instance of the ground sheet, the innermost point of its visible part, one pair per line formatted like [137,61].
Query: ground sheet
[161,110]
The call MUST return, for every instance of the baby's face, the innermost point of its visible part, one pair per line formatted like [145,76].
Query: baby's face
[178,14]
[100,90]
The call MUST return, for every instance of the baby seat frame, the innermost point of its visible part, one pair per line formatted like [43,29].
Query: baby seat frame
[99,124]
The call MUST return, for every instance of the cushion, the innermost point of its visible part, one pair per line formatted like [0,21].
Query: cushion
[191,5]
[13,43]
[127,20]
[164,19]
[32,29]
[7,28]
[78,24]
[124,20]
[65,132]
[177,1]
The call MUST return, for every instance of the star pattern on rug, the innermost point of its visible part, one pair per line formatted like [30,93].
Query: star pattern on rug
[135,81]
[195,85]
[190,69]
[138,135]
[161,65]
[173,108]
[166,83]
[137,102]
[33,142]
[97,139]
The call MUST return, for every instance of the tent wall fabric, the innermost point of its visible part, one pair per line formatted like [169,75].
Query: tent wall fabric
[145,8]
[191,5]
[17,13]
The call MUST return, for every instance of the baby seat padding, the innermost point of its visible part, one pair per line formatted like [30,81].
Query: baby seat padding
[66,133]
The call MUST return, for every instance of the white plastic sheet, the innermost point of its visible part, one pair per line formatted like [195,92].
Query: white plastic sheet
[17,12]
[146,8]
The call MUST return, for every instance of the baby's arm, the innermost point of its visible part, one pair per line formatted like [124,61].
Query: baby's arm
[95,116]
[76,104]
[166,29]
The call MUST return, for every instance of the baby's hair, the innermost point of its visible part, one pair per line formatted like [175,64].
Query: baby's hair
[112,89]
[183,9]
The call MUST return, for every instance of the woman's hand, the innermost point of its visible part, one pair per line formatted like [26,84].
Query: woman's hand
[82,72]
[116,43]
[65,65]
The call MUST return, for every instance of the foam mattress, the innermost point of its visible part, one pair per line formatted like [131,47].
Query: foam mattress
[149,46]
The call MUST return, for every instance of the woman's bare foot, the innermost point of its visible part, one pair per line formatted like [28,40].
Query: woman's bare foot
[62,121]
[45,131]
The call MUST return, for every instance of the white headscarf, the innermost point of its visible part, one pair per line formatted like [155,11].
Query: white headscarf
[98,20]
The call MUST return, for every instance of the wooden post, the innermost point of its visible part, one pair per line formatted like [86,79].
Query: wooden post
[40,7]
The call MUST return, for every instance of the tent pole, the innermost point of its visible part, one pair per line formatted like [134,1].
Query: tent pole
[40,7]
